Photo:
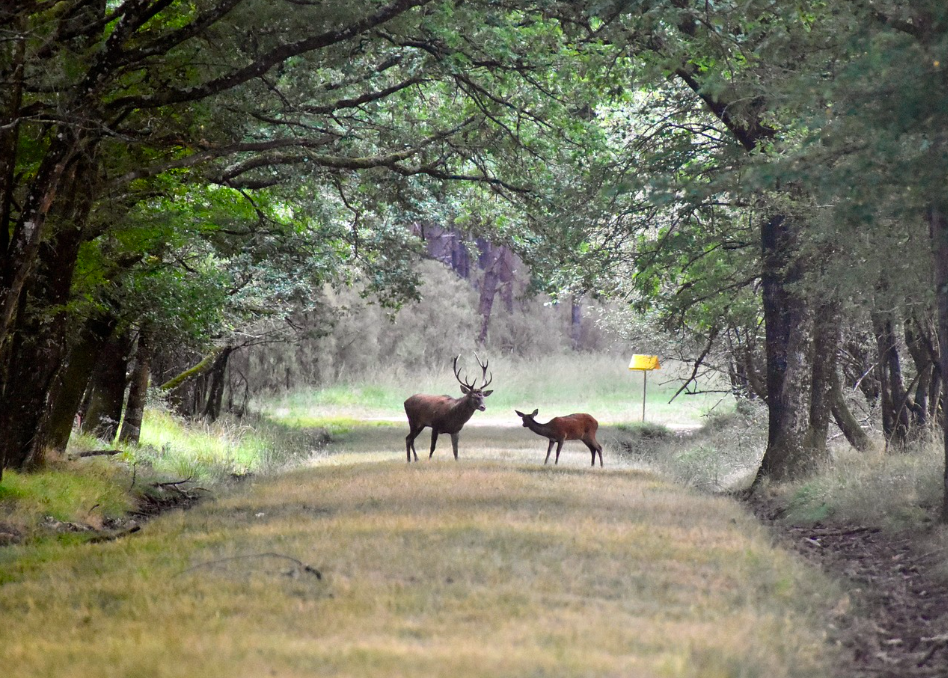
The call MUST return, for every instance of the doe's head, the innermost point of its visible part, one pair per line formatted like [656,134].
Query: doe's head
[527,418]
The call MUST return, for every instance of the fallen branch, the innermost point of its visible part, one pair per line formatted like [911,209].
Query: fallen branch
[112,536]
[99,453]
[172,483]
[303,566]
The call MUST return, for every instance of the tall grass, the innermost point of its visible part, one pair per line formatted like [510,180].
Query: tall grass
[892,490]
[227,447]
[89,493]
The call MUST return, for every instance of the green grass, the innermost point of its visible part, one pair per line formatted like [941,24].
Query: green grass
[172,446]
[87,492]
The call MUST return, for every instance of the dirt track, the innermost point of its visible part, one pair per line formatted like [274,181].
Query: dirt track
[897,624]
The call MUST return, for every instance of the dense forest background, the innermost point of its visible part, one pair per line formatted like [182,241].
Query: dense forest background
[473,296]
[182,183]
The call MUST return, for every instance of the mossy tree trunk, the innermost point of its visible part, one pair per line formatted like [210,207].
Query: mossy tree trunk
[788,333]
[938,228]
[137,390]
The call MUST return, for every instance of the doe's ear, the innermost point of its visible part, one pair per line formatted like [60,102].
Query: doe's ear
[487,393]
[519,413]
[535,413]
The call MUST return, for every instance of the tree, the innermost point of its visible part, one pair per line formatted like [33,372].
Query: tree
[349,117]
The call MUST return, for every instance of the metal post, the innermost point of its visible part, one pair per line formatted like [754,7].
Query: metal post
[644,390]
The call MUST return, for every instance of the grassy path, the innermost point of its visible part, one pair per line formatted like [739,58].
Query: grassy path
[494,566]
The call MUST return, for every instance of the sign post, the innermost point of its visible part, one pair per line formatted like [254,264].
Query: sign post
[644,364]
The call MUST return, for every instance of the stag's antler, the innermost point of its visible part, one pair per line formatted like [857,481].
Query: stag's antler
[457,375]
[484,372]
[472,386]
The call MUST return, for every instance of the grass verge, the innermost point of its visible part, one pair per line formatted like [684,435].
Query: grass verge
[92,492]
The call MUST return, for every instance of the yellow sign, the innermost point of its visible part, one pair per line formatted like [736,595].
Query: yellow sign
[644,362]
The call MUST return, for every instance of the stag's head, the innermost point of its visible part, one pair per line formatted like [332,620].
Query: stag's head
[527,418]
[475,393]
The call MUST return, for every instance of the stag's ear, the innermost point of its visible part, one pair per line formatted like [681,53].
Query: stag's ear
[464,389]
[535,413]
[487,393]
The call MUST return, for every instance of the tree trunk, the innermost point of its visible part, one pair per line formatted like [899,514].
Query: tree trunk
[845,420]
[576,323]
[108,389]
[73,380]
[788,341]
[32,355]
[508,277]
[895,400]
[490,259]
[35,358]
[924,368]
[826,336]
[938,228]
[138,390]
[215,390]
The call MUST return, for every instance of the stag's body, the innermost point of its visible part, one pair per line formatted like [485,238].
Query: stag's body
[560,429]
[443,413]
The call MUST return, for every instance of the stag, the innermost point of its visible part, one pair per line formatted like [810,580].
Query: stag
[560,429]
[443,413]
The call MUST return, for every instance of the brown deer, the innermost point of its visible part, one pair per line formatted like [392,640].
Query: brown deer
[560,429]
[443,413]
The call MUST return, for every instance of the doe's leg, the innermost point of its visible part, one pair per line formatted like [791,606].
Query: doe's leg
[548,450]
[559,446]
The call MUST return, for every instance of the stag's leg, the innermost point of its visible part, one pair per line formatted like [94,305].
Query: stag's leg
[410,442]
[434,441]
[599,450]
[454,445]
[548,450]
[559,446]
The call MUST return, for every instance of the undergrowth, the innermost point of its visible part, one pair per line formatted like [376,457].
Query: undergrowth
[891,490]
[721,456]
[175,459]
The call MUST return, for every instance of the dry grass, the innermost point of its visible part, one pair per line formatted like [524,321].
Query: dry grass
[487,567]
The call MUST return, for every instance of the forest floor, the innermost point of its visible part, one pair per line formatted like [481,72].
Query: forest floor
[896,624]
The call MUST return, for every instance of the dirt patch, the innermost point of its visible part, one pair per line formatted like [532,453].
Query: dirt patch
[896,625]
